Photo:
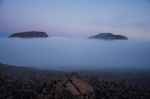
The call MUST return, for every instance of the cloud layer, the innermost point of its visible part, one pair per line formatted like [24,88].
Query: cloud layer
[75,54]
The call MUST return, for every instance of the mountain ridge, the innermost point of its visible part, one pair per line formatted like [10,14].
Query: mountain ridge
[30,34]
[108,36]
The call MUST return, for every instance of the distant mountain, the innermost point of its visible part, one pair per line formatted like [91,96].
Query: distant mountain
[30,34]
[109,36]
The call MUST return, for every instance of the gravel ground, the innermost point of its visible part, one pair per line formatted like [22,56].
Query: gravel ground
[31,83]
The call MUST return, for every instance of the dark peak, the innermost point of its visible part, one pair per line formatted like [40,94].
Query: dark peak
[36,32]
[30,34]
[105,34]
[109,36]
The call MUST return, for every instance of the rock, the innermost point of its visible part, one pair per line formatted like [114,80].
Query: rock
[30,34]
[73,88]
[44,90]
[10,97]
[109,36]
[40,96]
[83,87]
[125,83]
[74,74]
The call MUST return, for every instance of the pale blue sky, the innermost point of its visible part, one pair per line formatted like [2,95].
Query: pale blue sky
[76,18]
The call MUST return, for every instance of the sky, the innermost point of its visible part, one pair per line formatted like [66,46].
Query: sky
[76,18]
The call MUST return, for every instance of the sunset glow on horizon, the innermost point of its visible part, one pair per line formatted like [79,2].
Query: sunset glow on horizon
[76,18]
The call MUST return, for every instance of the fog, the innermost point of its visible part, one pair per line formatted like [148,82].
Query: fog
[58,53]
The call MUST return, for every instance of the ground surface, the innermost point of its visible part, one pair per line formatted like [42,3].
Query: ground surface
[30,83]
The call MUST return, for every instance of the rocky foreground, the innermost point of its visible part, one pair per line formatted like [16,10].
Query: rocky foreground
[31,83]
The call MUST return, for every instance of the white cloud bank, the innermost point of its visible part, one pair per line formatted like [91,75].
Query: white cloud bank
[75,54]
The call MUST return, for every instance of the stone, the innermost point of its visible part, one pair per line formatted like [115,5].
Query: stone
[74,74]
[10,97]
[40,96]
[83,87]
[73,88]
[44,90]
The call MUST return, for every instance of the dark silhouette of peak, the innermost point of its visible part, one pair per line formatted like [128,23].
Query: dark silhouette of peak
[30,34]
[109,36]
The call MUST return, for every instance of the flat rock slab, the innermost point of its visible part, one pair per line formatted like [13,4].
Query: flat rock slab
[74,88]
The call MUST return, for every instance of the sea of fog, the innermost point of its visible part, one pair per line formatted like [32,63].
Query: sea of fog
[58,53]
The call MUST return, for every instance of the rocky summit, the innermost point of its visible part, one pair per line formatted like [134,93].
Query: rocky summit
[109,36]
[31,83]
[30,34]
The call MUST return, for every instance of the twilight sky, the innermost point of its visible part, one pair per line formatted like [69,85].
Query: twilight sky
[76,18]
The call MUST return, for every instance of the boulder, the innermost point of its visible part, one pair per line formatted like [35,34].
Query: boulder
[73,88]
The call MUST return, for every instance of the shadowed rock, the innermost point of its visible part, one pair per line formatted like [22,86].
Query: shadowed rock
[109,36]
[31,34]
[73,88]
